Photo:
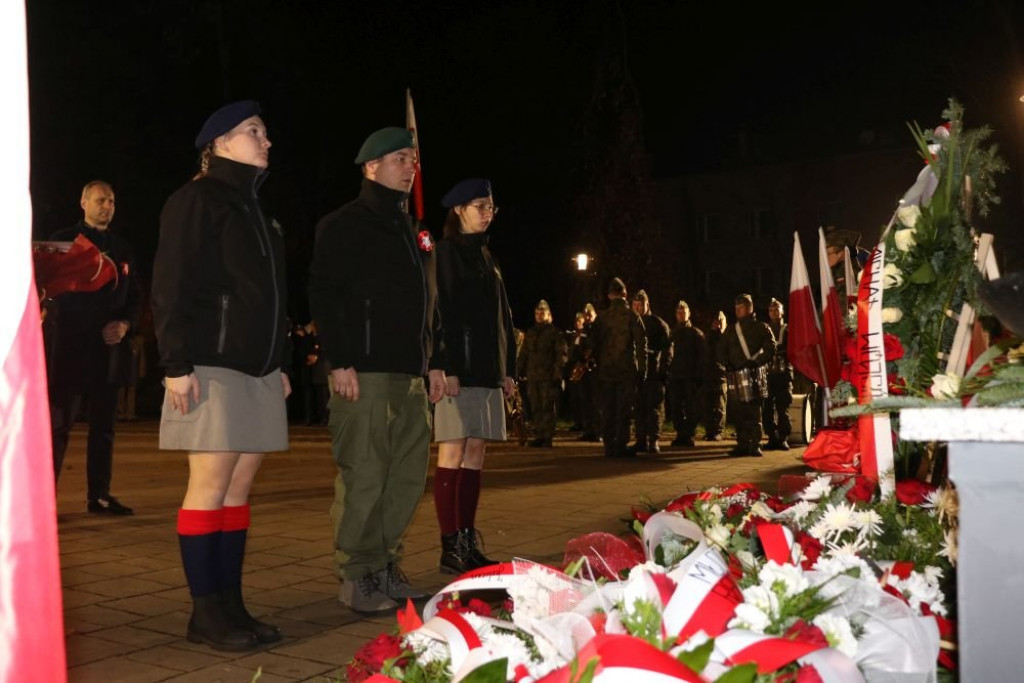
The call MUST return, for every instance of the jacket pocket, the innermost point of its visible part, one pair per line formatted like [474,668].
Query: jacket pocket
[366,328]
[222,337]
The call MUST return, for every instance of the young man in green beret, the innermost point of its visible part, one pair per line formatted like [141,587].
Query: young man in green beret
[373,295]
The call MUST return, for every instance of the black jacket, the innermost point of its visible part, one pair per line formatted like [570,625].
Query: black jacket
[77,356]
[372,287]
[219,287]
[479,347]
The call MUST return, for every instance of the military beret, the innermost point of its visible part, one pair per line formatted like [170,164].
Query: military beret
[682,304]
[224,119]
[774,302]
[616,286]
[466,191]
[745,299]
[641,295]
[542,306]
[384,141]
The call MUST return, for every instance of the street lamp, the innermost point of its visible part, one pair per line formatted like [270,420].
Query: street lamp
[582,261]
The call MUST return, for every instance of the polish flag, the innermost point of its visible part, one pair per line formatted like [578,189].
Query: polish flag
[804,350]
[417,183]
[31,618]
[831,316]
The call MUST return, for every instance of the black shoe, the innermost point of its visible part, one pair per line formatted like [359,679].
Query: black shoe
[772,445]
[756,452]
[653,447]
[239,616]
[783,445]
[209,624]
[108,505]
[713,437]
[453,555]
[471,542]
[637,448]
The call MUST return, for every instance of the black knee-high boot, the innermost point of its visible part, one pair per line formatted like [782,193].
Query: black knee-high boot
[234,533]
[199,538]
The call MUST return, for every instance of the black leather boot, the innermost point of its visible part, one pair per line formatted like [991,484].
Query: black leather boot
[239,616]
[474,557]
[209,624]
[453,554]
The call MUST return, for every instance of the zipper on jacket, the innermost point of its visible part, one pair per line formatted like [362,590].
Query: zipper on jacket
[467,339]
[223,337]
[273,278]
[410,243]
[366,325]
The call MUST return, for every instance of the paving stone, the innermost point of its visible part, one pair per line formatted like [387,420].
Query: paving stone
[117,670]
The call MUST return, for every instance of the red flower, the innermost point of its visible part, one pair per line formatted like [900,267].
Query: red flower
[371,657]
[808,674]
[425,241]
[913,491]
[598,621]
[863,491]
[897,385]
[810,548]
[641,514]
[806,633]
[735,510]
[893,347]
[682,503]
[777,504]
[476,606]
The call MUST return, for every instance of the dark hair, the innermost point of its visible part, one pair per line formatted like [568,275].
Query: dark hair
[452,225]
[205,154]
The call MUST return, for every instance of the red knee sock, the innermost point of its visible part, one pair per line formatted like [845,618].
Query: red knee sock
[445,487]
[468,497]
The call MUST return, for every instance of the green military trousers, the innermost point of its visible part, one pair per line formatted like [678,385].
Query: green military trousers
[381,446]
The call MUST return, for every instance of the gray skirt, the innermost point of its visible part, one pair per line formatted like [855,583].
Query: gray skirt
[476,412]
[236,413]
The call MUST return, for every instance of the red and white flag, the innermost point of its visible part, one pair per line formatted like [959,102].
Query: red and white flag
[872,380]
[804,349]
[831,317]
[417,183]
[31,619]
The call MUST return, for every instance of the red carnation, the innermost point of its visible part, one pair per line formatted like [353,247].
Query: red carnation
[863,491]
[371,657]
[897,385]
[803,632]
[777,504]
[641,514]
[810,548]
[893,347]
[735,510]
[682,503]
[477,607]
[913,491]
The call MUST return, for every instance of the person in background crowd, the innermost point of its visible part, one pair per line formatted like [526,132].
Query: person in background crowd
[541,362]
[573,374]
[222,329]
[689,354]
[479,363]
[90,349]
[650,392]
[746,346]
[780,383]
[714,383]
[620,348]
[373,295]
[583,358]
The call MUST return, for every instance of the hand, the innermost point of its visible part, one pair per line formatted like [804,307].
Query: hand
[311,359]
[437,385]
[114,331]
[508,386]
[345,383]
[286,384]
[180,388]
[451,385]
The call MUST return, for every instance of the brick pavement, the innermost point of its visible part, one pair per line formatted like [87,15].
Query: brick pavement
[126,603]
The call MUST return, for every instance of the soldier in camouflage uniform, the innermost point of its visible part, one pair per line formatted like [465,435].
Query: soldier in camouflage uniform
[714,383]
[780,384]
[760,348]
[650,393]
[689,352]
[620,348]
[540,361]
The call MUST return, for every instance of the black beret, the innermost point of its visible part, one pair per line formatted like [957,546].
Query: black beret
[616,286]
[466,191]
[641,295]
[384,141]
[745,299]
[224,119]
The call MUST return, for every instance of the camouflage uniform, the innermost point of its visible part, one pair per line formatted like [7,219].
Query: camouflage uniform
[620,347]
[540,362]
[689,352]
[780,391]
[761,344]
[650,393]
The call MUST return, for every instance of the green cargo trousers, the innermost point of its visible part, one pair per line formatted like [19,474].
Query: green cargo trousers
[381,445]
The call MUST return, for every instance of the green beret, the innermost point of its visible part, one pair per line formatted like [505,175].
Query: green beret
[745,299]
[384,141]
[542,305]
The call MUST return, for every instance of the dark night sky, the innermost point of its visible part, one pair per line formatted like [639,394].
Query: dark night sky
[119,89]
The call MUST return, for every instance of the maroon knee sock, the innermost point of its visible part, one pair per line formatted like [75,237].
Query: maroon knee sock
[468,497]
[445,487]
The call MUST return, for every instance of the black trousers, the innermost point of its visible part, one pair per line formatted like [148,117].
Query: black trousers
[747,418]
[775,411]
[100,412]
[650,397]
[617,397]
[684,396]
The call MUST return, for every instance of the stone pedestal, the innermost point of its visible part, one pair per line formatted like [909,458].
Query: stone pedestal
[986,462]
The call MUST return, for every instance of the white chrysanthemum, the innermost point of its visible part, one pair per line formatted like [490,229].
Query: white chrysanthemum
[718,535]
[427,649]
[839,633]
[749,617]
[919,589]
[675,549]
[512,647]
[798,511]
[836,520]
[852,546]
[817,489]
[787,579]
[531,592]
[949,547]
[869,522]
[842,563]
[648,567]
[762,598]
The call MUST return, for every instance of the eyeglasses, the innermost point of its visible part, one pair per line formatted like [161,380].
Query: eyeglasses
[486,208]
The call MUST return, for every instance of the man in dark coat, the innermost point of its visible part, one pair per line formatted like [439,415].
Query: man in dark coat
[540,362]
[650,393]
[746,347]
[620,349]
[89,349]
[780,384]
[715,389]
[689,353]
